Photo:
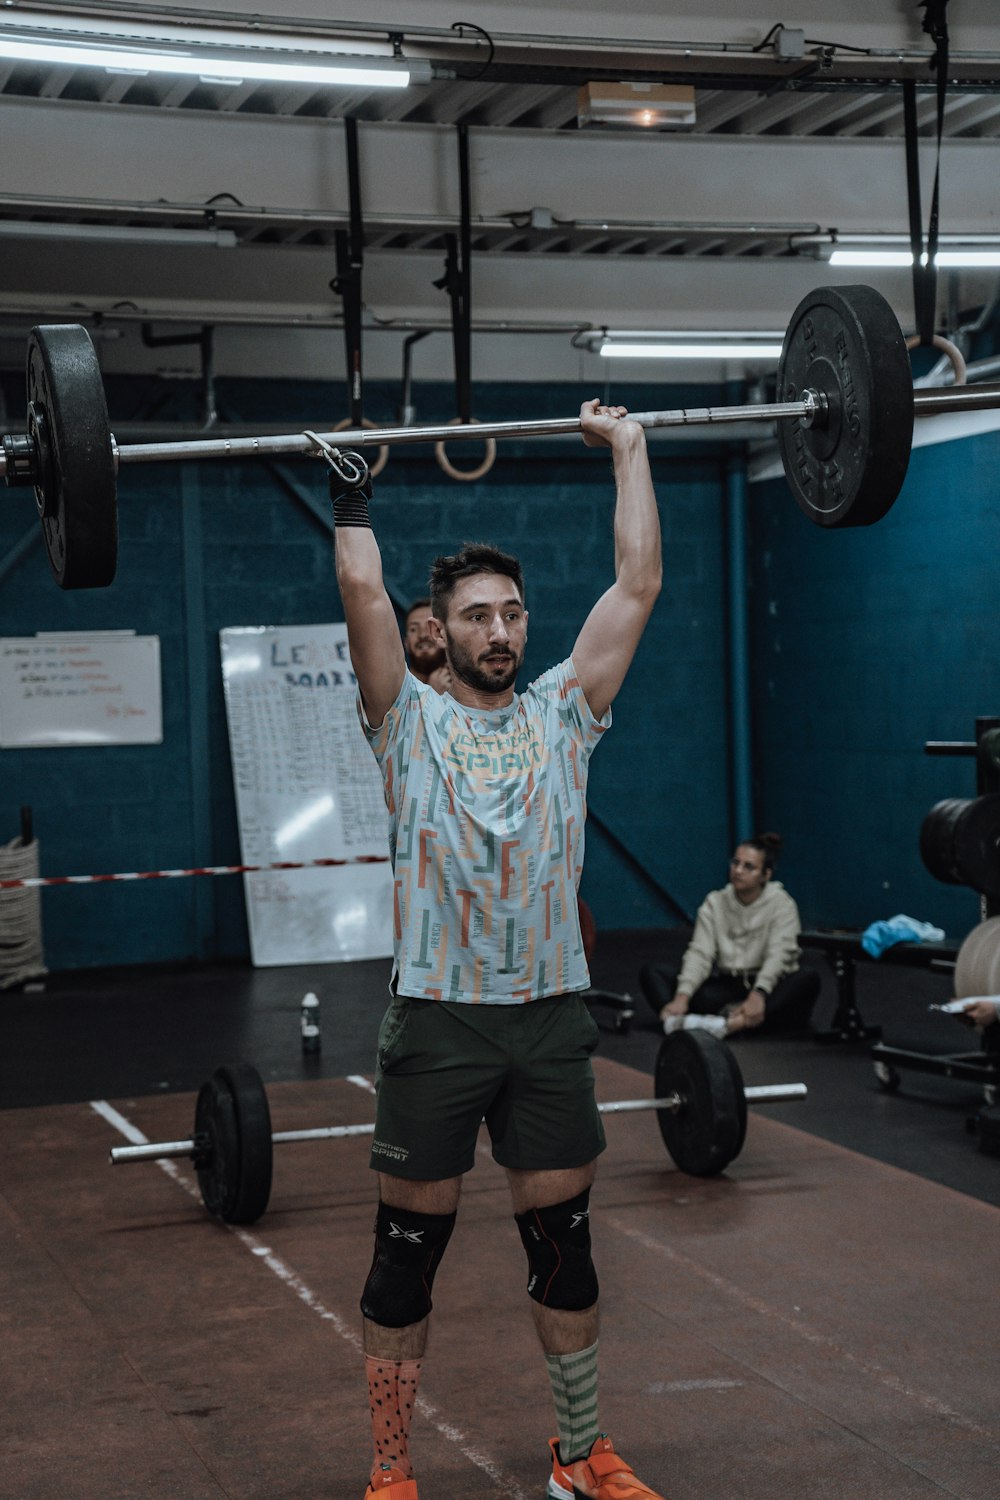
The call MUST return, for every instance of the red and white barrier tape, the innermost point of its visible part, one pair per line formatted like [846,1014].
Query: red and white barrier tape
[308,864]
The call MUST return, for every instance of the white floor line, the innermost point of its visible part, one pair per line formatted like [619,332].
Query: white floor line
[674,1387]
[291,1279]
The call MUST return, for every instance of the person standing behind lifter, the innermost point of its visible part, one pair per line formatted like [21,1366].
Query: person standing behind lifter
[741,967]
[425,654]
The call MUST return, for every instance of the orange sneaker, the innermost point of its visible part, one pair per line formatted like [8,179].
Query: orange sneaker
[560,1486]
[389,1484]
[605,1474]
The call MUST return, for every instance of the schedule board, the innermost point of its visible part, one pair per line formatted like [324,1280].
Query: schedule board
[307,788]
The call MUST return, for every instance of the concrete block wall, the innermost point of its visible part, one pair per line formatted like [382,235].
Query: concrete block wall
[868,643]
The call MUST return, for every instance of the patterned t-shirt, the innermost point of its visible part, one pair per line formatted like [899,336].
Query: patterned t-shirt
[486,815]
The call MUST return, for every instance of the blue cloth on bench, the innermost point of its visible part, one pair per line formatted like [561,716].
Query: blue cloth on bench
[899,929]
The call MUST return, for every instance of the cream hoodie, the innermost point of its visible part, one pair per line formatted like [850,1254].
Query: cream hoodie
[758,942]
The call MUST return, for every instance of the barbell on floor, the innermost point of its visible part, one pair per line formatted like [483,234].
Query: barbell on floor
[845,411]
[700,1103]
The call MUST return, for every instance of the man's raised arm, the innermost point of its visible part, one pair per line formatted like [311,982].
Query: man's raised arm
[372,632]
[607,643]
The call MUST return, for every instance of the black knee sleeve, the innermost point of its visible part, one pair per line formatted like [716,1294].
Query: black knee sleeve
[408,1250]
[557,1243]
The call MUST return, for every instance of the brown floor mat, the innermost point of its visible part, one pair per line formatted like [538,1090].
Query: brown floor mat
[811,1324]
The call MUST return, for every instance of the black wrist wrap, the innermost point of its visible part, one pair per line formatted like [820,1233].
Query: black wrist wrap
[350,509]
[350,502]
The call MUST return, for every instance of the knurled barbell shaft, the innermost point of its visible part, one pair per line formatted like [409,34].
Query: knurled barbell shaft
[376,437]
[768,1093]
[928,401]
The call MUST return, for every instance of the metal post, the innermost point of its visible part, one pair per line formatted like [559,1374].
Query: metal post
[740,756]
[198,676]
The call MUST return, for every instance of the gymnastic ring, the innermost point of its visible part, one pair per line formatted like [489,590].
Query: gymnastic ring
[467,475]
[376,468]
[945,346]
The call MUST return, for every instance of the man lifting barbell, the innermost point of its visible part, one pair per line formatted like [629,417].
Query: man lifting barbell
[486,795]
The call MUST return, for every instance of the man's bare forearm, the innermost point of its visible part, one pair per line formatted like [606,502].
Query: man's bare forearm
[638,562]
[359,567]
[372,632]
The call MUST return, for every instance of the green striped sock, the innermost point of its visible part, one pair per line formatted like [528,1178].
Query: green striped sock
[574,1389]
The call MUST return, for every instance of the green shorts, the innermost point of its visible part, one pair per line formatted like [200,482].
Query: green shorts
[444,1068]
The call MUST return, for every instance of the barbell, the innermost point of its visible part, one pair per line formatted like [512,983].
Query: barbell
[845,428]
[700,1103]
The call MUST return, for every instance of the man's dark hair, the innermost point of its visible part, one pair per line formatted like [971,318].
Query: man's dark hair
[418,604]
[475,557]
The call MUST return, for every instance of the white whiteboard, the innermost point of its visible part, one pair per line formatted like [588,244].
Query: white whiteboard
[84,688]
[307,787]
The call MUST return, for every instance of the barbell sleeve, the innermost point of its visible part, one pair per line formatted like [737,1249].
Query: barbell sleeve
[164,1150]
[150,1151]
[626,1106]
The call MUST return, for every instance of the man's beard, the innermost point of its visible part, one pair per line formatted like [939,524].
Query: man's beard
[427,655]
[483,674]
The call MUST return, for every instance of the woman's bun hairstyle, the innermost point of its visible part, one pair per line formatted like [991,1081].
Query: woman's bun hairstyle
[769,844]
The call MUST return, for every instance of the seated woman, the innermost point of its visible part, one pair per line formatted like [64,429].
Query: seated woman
[741,967]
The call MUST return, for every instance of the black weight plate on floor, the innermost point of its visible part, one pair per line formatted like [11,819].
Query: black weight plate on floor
[217,1143]
[741,1099]
[845,343]
[234,1169]
[75,483]
[937,839]
[977,845]
[706,1133]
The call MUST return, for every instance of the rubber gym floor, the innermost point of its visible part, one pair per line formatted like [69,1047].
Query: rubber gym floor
[818,1321]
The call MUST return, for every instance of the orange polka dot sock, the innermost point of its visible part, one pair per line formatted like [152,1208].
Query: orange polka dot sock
[392,1392]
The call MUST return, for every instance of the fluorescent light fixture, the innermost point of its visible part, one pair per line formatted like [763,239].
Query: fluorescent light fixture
[214,67]
[905,258]
[116,234]
[871,258]
[692,347]
[968,258]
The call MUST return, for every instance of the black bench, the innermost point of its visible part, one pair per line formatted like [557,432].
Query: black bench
[843,951]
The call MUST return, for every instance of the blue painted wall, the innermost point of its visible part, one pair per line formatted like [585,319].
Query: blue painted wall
[867,643]
[214,545]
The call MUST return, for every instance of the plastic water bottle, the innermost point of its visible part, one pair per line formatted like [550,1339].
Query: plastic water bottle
[311,1040]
